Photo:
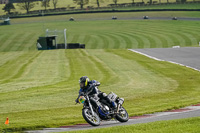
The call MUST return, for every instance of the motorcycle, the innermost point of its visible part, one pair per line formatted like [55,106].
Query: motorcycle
[96,109]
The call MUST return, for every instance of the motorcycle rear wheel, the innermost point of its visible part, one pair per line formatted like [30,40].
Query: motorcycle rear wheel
[122,116]
[92,120]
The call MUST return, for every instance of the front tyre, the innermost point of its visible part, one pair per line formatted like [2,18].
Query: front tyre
[122,116]
[92,120]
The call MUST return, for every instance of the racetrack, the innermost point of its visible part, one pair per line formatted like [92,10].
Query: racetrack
[188,56]
[137,18]
[118,18]
[188,112]
[28,104]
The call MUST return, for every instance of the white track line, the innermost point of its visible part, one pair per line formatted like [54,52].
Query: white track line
[163,60]
[82,127]
[146,55]
[188,109]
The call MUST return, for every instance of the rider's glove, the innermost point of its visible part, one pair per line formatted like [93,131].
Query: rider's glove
[92,85]
[81,94]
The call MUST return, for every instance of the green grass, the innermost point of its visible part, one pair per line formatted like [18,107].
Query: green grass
[106,34]
[38,88]
[175,126]
[167,6]
[69,3]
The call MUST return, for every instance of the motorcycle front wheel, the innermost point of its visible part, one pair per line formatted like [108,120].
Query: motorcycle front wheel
[92,120]
[122,116]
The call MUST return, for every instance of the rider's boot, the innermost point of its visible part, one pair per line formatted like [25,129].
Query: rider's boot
[114,106]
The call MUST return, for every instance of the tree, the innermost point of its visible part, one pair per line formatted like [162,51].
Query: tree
[8,7]
[26,5]
[55,2]
[183,1]
[45,4]
[115,1]
[150,2]
[98,4]
[81,2]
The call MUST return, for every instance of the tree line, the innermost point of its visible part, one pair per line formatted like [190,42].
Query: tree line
[30,4]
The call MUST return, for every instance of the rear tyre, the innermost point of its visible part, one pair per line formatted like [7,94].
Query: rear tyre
[122,116]
[92,120]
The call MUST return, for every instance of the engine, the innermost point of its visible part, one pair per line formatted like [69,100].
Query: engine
[103,111]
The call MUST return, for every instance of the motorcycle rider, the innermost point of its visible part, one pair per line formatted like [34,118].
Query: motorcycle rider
[86,84]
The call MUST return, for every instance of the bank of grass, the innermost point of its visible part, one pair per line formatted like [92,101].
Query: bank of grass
[166,6]
[103,34]
[190,125]
[42,89]
[69,3]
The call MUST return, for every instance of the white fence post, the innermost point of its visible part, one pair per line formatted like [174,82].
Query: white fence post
[65,38]
[47,32]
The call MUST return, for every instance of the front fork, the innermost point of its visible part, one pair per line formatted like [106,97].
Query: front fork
[121,101]
[118,107]
[90,105]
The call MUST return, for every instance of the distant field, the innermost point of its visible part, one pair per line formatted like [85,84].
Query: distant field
[108,34]
[38,88]
[69,3]
[175,126]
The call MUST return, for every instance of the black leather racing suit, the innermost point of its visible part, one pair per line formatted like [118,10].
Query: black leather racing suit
[93,84]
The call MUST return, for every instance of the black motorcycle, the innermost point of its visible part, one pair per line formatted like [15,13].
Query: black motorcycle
[96,109]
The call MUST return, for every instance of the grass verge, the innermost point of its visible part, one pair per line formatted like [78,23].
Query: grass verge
[150,86]
[174,126]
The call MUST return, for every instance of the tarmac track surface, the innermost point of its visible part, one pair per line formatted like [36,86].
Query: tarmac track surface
[137,18]
[110,18]
[188,112]
[188,56]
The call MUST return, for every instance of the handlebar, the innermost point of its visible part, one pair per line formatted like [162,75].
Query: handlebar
[90,89]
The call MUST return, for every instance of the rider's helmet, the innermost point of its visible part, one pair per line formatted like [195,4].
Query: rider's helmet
[84,82]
